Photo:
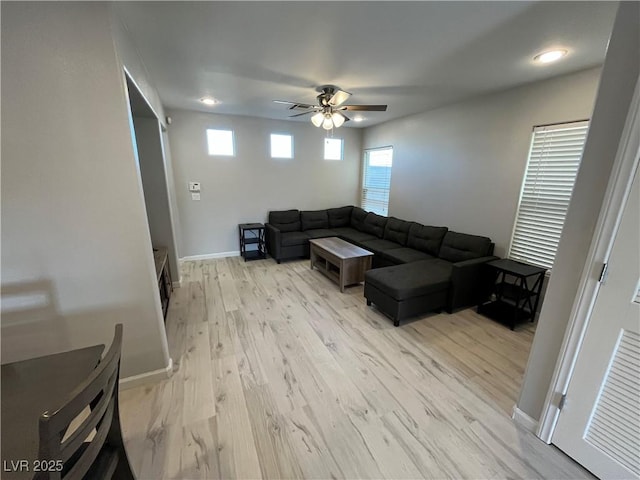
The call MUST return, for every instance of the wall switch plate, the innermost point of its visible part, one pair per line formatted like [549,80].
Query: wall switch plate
[195,196]
[194,186]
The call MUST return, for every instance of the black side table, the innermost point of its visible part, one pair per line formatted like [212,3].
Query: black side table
[251,233]
[517,288]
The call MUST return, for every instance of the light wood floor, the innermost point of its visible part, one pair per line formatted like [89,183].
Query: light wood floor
[279,375]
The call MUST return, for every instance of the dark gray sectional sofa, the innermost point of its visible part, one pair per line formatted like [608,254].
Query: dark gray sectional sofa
[416,268]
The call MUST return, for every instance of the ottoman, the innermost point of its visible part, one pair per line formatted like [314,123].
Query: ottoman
[403,291]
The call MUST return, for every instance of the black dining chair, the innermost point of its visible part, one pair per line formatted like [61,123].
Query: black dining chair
[77,457]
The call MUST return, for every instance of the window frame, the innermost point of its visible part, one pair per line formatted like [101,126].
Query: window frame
[385,210]
[233,142]
[530,194]
[281,134]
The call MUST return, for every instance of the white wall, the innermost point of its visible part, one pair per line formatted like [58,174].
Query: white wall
[462,166]
[129,58]
[619,76]
[75,241]
[245,187]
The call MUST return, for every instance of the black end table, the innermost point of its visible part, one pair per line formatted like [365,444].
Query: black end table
[252,234]
[517,288]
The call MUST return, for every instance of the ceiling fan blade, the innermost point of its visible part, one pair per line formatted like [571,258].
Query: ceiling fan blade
[300,114]
[339,98]
[294,104]
[364,108]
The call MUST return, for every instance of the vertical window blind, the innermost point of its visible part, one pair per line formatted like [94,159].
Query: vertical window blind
[554,159]
[376,180]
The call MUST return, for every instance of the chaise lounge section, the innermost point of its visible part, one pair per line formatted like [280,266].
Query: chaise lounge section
[416,268]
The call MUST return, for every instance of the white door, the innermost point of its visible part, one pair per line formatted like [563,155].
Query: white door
[599,425]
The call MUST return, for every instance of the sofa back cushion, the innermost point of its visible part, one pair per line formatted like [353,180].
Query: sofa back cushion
[285,220]
[457,247]
[314,219]
[357,218]
[397,230]
[339,217]
[426,238]
[374,224]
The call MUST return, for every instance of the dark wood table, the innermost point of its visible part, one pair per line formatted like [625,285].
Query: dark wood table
[517,288]
[29,388]
[252,234]
[341,261]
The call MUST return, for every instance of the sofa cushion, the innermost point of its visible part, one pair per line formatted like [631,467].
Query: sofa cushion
[411,279]
[339,217]
[379,245]
[457,247]
[405,255]
[285,220]
[290,239]
[426,238]
[314,219]
[374,224]
[320,233]
[357,218]
[352,235]
[397,230]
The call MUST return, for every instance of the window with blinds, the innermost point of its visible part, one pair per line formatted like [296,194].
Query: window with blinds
[554,159]
[376,180]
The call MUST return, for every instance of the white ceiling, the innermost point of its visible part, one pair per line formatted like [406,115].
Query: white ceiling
[413,56]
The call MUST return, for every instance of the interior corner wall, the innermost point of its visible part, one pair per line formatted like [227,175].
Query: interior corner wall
[462,165]
[620,74]
[76,256]
[244,188]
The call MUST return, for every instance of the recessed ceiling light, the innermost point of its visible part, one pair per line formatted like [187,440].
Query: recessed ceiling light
[359,118]
[208,100]
[550,56]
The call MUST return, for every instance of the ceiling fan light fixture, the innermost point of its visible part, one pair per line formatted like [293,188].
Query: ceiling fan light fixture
[327,123]
[338,119]
[317,119]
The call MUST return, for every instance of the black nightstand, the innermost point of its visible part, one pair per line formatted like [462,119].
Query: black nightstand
[517,288]
[251,234]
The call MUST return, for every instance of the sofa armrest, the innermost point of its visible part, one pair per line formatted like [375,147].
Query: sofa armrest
[273,240]
[470,283]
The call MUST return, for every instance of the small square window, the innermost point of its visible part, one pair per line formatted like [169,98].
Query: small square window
[281,146]
[220,142]
[333,148]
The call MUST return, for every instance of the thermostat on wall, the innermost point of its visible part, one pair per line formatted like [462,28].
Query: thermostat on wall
[194,186]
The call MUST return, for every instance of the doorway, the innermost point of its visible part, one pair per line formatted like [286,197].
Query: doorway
[149,143]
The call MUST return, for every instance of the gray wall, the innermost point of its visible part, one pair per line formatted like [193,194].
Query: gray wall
[76,256]
[245,187]
[154,183]
[619,76]
[462,166]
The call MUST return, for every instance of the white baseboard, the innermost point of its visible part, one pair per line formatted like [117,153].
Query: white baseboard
[147,378]
[209,256]
[524,420]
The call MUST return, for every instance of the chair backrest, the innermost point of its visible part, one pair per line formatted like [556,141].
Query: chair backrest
[99,392]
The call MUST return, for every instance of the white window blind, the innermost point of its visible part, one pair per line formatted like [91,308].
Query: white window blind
[554,159]
[376,180]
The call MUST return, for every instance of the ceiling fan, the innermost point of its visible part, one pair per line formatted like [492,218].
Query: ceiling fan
[328,113]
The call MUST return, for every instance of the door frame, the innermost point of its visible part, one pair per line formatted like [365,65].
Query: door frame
[625,164]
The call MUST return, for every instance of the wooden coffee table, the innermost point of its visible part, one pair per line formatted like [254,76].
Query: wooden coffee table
[341,261]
